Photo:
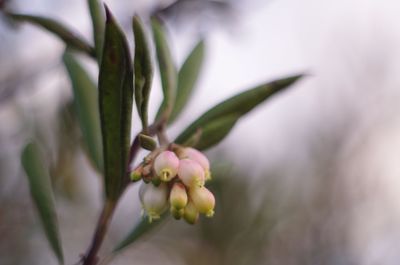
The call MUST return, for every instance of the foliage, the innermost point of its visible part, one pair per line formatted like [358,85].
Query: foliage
[104,111]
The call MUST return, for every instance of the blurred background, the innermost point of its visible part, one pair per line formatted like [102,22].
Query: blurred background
[310,177]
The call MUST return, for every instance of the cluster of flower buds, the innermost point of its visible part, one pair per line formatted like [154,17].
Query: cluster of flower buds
[175,179]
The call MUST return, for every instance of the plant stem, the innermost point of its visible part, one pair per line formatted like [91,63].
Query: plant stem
[162,138]
[133,151]
[151,130]
[109,206]
[101,230]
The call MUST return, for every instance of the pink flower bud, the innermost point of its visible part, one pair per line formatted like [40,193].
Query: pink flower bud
[196,155]
[204,200]
[178,197]
[191,214]
[154,200]
[191,173]
[166,165]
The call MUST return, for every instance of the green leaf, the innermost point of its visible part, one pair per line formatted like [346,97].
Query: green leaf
[70,38]
[167,70]
[214,131]
[143,70]
[97,16]
[42,195]
[239,104]
[187,77]
[115,101]
[87,108]
[141,228]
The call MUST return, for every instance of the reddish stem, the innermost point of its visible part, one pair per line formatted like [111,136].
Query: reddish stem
[101,230]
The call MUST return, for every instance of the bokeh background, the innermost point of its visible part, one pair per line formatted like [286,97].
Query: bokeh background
[310,177]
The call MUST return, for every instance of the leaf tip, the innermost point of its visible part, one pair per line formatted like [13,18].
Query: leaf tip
[156,21]
[202,42]
[287,81]
[136,21]
[136,16]
[296,77]
[109,16]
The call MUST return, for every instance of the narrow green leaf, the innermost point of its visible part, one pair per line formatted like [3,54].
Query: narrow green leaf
[215,131]
[115,101]
[98,19]
[42,195]
[143,70]
[141,228]
[70,38]
[167,70]
[87,108]
[239,104]
[194,138]
[187,77]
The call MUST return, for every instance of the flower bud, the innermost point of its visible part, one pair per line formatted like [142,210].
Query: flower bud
[156,181]
[136,174]
[191,173]
[166,165]
[199,157]
[178,197]
[177,214]
[191,214]
[147,142]
[204,200]
[154,200]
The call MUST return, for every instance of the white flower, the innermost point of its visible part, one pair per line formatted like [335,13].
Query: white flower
[154,200]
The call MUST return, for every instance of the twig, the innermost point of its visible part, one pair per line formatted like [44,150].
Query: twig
[109,206]
[101,230]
